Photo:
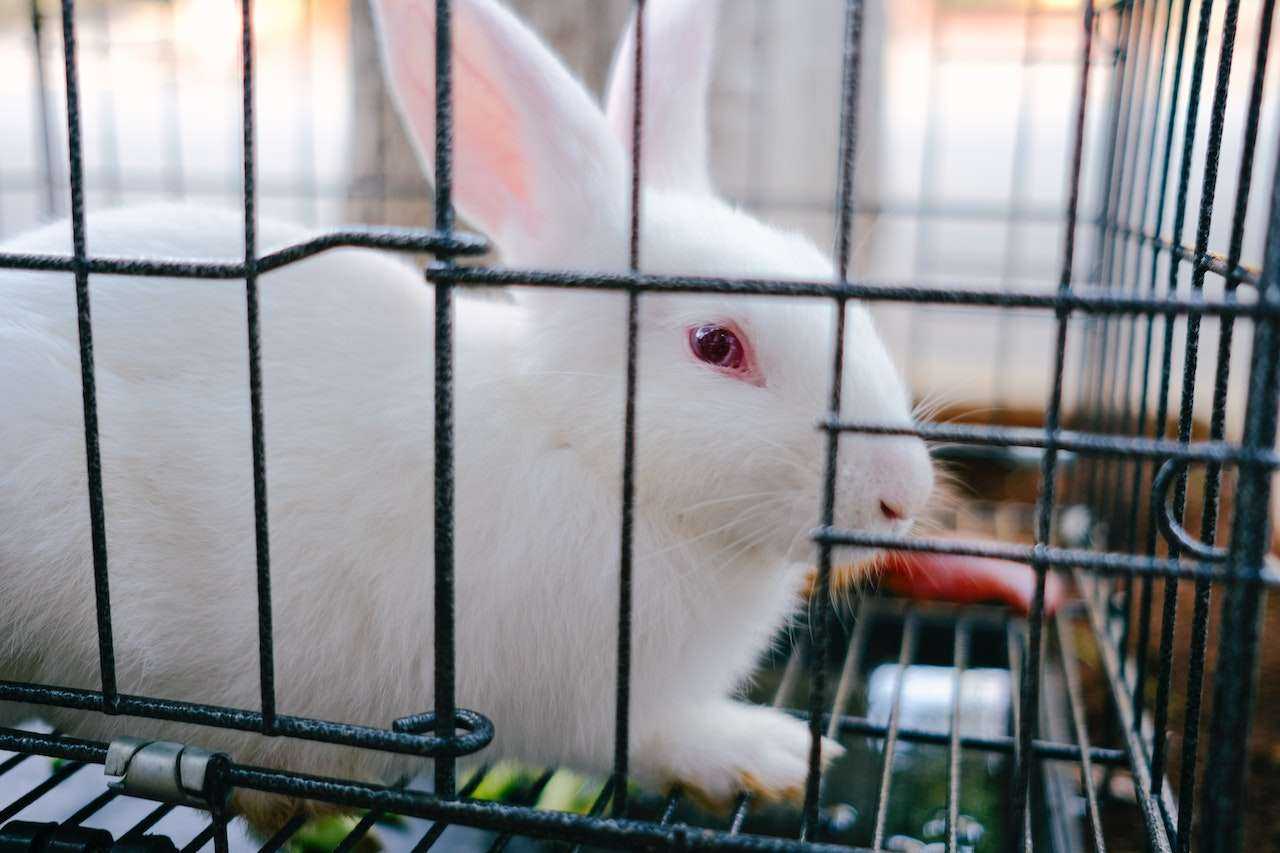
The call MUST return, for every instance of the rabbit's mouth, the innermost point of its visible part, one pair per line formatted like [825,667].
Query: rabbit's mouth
[849,573]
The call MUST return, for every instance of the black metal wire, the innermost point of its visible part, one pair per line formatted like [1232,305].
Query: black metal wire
[149,820]
[443,636]
[1068,659]
[1159,420]
[906,653]
[283,834]
[1095,355]
[1016,654]
[850,75]
[1217,428]
[262,546]
[358,832]
[960,662]
[54,779]
[12,762]
[1122,701]
[92,807]
[88,384]
[437,829]
[1165,678]
[402,739]
[1235,679]
[1000,744]
[1030,677]
[1120,378]
[1214,451]
[957,293]
[622,701]
[384,237]
[201,838]
[1129,416]
[529,798]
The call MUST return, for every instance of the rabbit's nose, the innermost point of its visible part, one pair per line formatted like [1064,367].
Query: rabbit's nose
[908,482]
[891,511]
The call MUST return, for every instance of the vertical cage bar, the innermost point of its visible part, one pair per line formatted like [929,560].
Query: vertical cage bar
[850,77]
[622,705]
[849,672]
[445,766]
[1200,616]
[1081,487]
[266,647]
[1139,419]
[1112,244]
[1069,661]
[1164,681]
[1127,279]
[1013,645]
[437,828]
[1235,682]
[88,384]
[1029,686]
[221,844]
[1114,276]
[954,752]
[1160,418]
[1153,813]
[1098,336]
[906,653]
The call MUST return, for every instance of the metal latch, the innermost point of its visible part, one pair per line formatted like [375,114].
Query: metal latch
[160,770]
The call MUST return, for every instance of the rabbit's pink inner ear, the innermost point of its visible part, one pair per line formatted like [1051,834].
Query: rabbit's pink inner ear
[533,162]
[491,176]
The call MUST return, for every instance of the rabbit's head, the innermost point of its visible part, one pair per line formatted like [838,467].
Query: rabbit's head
[730,387]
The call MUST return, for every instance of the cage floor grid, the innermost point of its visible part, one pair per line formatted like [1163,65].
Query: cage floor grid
[925,704]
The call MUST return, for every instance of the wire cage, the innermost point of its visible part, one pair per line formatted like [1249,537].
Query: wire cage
[1114,703]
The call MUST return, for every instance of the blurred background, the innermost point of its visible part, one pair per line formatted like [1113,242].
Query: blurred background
[961,172]
[966,124]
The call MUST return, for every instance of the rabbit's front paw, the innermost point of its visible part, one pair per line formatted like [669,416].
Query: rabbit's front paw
[717,751]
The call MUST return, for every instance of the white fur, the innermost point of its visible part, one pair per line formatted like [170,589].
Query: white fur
[728,478]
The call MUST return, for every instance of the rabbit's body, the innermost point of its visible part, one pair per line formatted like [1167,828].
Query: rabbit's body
[347,369]
[728,476]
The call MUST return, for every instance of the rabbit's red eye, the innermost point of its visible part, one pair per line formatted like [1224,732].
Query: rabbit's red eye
[718,346]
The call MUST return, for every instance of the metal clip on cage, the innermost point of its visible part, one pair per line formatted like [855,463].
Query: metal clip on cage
[163,770]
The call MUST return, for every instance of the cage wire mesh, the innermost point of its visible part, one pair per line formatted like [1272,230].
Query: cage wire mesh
[1067,218]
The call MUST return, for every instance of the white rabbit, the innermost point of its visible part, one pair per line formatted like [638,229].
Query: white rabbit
[729,461]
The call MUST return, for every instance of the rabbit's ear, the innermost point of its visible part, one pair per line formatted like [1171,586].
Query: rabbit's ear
[534,164]
[679,39]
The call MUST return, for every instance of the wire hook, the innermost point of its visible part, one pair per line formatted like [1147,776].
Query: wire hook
[1177,535]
